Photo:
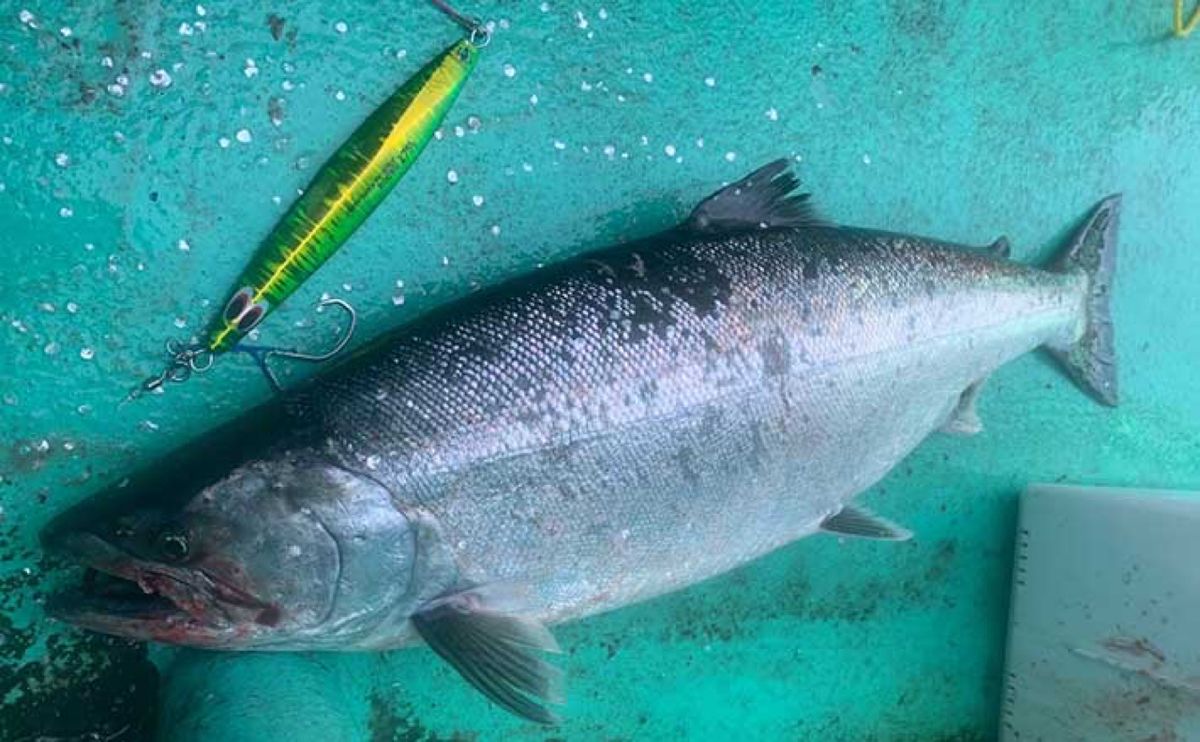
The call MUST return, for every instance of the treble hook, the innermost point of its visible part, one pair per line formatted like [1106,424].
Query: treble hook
[475,27]
[262,354]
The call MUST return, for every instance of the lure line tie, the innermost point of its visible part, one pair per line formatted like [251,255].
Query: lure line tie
[477,30]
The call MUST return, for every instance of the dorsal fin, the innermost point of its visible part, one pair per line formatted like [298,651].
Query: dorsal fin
[764,198]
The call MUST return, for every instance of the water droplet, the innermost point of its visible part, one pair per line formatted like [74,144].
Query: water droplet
[340,95]
[669,150]
[160,79]
[116,89]
[243,136]
[62,159]
[772,114]
[201,11]
[730,156]
[610,150]
[509,70]
[185,29]
[184,245]
[341,27]
[710,82]
[559,144]
[250,69]
[66,212]
[602,14]
[72,307]
[84,409]
[866,159]
[87,354]
[495,230]
[580,21]
[533,99]
[452,176]
[51,348]
[648,77]
[223,142]
[398,300]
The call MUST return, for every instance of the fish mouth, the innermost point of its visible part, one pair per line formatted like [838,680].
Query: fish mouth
[128,597]
[103,594]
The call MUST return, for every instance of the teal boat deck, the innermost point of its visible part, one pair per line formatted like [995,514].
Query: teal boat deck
[145,148]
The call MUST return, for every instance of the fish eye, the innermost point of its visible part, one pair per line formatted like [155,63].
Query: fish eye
[172,543]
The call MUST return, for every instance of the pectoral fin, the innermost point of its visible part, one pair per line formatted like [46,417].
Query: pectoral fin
[964,419]
[495,649]
[862,523]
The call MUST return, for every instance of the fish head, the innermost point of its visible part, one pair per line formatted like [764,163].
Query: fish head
[281,554]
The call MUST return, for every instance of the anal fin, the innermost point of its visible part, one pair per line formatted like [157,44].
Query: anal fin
[495,649]
[862,523]
[964,418]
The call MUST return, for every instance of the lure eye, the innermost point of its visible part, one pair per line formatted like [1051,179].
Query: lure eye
[241,313]
[237,305]
[251,317]
[172,544]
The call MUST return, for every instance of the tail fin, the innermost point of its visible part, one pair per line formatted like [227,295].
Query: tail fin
[1091,361]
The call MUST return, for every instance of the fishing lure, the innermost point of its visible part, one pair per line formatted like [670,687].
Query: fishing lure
[343,193]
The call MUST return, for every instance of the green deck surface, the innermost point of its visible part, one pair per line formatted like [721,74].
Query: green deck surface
[962,121]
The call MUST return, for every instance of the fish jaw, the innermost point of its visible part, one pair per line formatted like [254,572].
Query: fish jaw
[135,599]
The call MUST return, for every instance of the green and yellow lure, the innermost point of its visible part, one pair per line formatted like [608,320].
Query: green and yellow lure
[340,197]
[343,194]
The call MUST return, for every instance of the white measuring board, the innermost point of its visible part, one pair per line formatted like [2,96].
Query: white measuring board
[1104,633]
